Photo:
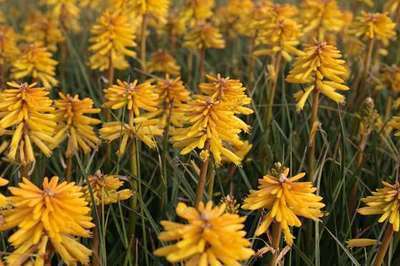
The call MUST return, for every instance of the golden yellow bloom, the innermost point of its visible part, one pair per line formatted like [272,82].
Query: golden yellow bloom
[392,6]
[377,26]
[321,67]
[391,77]
[143,128]
[361,242]
[67,12]
[27,115]
[199,10]
[384,202]
[286,200]
[58,211]
[210,124]
[44,29]
[173,95]
[3,199]
[35,62]
[157,9]
[105,189]
[279,34]
[210,236]
[162,61]
[133,96]
[230,91]
[113,37]
[202,36]
[75,125]
[321,17]
[8,44]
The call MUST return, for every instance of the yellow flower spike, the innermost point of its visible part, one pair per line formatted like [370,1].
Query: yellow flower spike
[279,34]
[321,67]
[321,17]
[157,9]
[172,96]
[27,114]
[66,11]
[144,128]
[200,9]
[385,202]
[58,211]
[361,242]
[162,61]
[214,235]
[3,199]
[113,37]
[376,26]
[204,35]
[35,62]
[133,96]
[106,189]
[211,121]
[231,91]
[75,125]
[8,45]
[43,28]
[286,200]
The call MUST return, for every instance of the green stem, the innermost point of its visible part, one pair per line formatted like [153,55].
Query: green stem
[143,42]
[202,178]
[272,86]
[134,199]
[313,136]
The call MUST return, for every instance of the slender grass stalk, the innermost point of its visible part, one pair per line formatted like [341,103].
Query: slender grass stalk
[387,238]
[388,107]
[134,200]
[313,135]
[202,69]
[107,113]
[143,42]
[164,174]
[190,67]
[276,240]
[272,87]
[362,78]
[96,239]
[202,178]
[250,66]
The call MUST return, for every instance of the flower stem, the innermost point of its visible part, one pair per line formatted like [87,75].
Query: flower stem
[250,67]
[313,125]
[24,170]
[202,55]
[143,42]
[387,237]
[202,178]
[272,86]
[276,240]
[134,199]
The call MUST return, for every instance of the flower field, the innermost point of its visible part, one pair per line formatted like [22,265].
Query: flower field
[199,132]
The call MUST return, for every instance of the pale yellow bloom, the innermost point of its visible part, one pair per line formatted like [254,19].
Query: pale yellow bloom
[35,61]
[162,61]
[361,242]
[204,35]
[67,12]
[8,45]
[286,200]
[321,67]
[210,236]
[384,202]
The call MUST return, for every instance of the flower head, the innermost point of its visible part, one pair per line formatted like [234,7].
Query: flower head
[143,128]
[3,199]
[113,37]
[35,62]
[162,61]
[209,237]
[27,116]
[133,96]
[44,29]
[210,124]
[67,12]
[75,125]
[376,26]
[385,202]
[392,6]
[157,9]
[57,211]
[279,34]
[230,91]
[204,35]
[200,9]
[322,16]
[321,67]
[106,189]
[172,95]
[285,200]
[8,44]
